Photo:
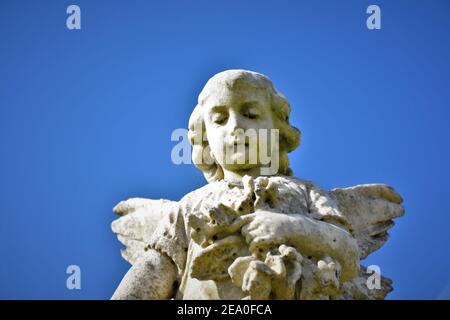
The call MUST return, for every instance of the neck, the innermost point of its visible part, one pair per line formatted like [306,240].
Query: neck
[236,176]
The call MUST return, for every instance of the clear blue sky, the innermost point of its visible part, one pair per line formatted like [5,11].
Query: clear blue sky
[86,118]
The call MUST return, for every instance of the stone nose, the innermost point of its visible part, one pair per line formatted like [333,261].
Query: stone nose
[236,123]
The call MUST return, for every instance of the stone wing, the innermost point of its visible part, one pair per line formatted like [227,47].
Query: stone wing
[138,221]
[370,210]
[357,288]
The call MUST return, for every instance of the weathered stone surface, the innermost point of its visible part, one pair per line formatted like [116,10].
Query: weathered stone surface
[246,235]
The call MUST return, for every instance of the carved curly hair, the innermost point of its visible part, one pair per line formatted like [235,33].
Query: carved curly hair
[289,136]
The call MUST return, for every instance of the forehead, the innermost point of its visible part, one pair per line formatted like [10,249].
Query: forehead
[226,96]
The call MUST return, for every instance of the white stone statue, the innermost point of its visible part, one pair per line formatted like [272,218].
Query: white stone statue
[254,231]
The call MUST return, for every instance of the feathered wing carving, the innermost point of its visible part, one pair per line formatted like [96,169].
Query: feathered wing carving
[139,218]
[370,210]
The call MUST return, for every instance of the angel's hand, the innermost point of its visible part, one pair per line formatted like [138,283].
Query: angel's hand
[311,237]
[267,229]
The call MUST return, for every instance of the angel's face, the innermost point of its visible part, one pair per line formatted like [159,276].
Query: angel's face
[232,117]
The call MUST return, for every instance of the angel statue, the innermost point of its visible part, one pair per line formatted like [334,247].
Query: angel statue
[254,231]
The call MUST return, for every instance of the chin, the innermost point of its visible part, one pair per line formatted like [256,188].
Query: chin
[239,159]
[236,166]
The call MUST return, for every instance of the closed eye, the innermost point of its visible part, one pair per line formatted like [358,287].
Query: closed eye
[250,115]
[219,118]
[250,110]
